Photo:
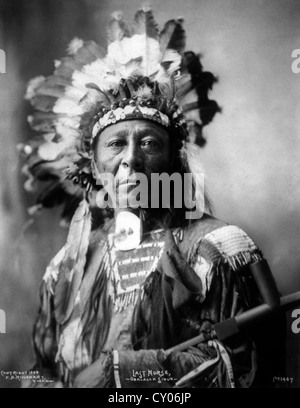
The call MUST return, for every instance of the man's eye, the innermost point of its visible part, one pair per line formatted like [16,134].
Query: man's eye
[150,143]
[116,144]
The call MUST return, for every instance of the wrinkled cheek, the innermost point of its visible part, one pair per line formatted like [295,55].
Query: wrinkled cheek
[157,164]
[108,166]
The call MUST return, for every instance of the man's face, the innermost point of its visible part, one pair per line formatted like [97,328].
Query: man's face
[130,147]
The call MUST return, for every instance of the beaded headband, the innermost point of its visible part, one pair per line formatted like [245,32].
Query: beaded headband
[135,110]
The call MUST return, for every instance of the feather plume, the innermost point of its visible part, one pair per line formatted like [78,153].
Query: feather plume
[56,80]
[192,95]
[50,151]
[62,105]
[94,49]
[147,34]
[139,52]
[117,27]
[55,91]
[44,170]
[72,266]
[144,23]
[33,85]
[171,61]
[184,85]
[75,46]
[131,69]
[42,122]
[43,103]
[87,53]
[172,37]
[66,67]
[144,92]
[167,88]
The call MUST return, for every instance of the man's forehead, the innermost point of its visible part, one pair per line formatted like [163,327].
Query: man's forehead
[134,126]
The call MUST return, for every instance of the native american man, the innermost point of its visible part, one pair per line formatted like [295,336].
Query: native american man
[133,282]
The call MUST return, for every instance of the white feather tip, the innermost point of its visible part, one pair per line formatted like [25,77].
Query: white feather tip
[75,46]
[117,15]
[146,7]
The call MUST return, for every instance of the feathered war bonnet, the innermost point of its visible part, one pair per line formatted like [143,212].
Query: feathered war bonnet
[143,74]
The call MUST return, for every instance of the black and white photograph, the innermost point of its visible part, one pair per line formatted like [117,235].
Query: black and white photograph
[150,196]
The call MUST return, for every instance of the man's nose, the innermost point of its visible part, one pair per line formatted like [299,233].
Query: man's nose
[133,157]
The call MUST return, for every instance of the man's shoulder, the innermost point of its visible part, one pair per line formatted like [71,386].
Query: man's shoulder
[216,231]
[198,229]
[217,240]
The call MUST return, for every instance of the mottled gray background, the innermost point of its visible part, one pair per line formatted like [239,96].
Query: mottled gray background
[252,157]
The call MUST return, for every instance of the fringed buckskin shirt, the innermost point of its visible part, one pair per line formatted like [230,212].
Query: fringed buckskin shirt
[136,304]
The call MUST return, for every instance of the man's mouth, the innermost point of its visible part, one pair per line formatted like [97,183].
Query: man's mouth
[126,187]
[128,182]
